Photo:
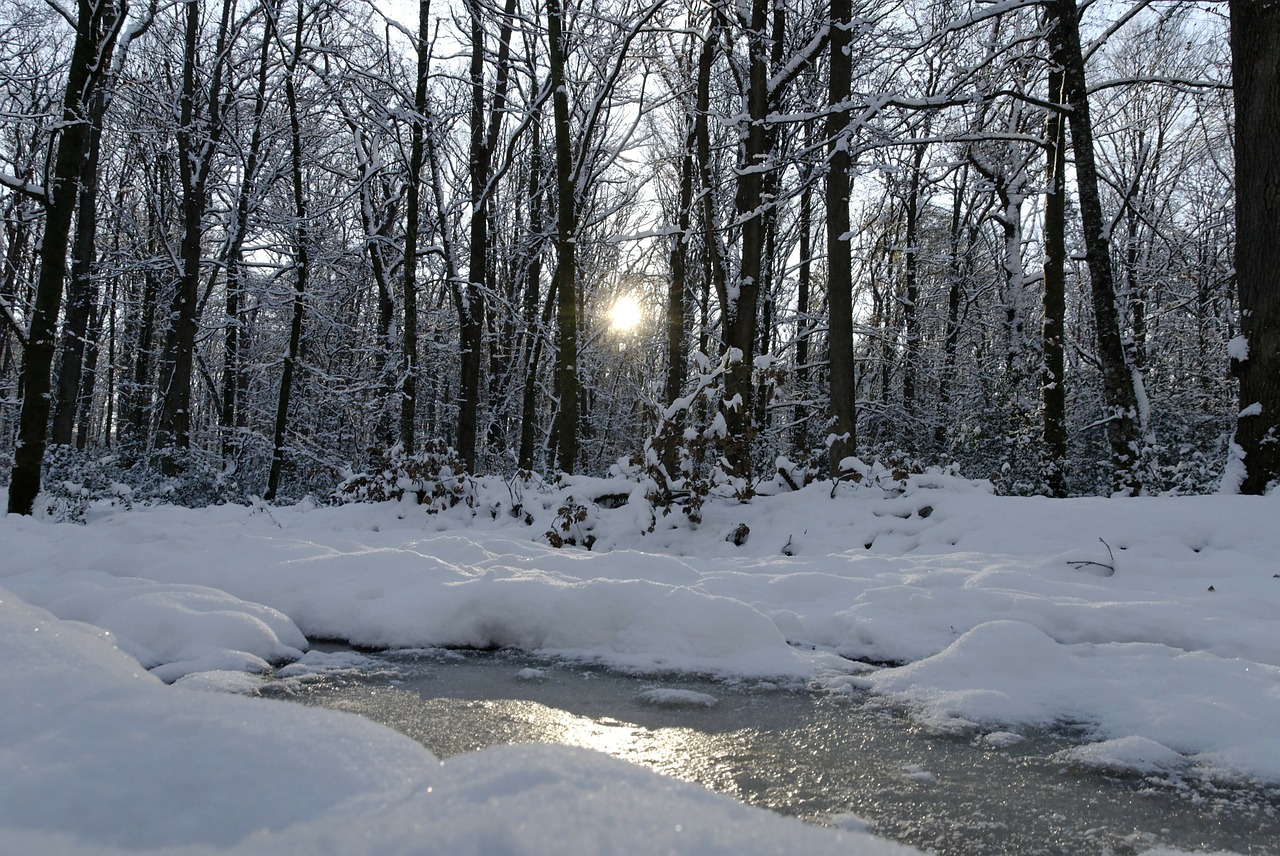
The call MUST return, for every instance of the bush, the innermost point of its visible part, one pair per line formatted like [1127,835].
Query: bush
[436,478]
[73,481]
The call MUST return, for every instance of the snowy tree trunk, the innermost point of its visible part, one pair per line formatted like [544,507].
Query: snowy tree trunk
[566,262]
[843,441]
[1117,382]
[1052,386]
[1255,44]
[302,265]
[98,25]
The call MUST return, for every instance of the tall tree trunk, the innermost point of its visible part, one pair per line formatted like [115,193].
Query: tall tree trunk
[413,219]
[89,377]
[97,28]
[843,440]
[533,281]
[235,380]
[302,262]
[1117,382]
[740,303]
[677,368]
[956,268]
[199,130]
[713,268]
[910,306]
[1053,387]
[470,297]
[566,262]
[804,323]
[82,294]
[1255,44]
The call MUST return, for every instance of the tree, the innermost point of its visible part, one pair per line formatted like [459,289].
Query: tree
[469,297]
[1255,44]
[1053,379]
[98,25]
[1117,382]
[302,258]
[844,422]
[199,131]
[566,275]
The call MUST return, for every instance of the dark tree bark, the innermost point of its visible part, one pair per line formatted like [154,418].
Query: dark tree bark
[302,262]
[566,260]
[1117,383]
[1052,385]
[713,267]
[677,288]
[740,307]
[413,221]
[957,267]
[533,280]
[1255,45]
[98,27]
[82,290]
[839,259]
[469,298]
[804,320]
[911,286]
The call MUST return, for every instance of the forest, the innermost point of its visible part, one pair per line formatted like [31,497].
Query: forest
[338,248]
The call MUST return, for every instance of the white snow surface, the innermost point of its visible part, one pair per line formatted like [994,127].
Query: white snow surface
[1149,623]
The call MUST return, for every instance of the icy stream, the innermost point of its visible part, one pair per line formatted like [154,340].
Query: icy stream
[850,761]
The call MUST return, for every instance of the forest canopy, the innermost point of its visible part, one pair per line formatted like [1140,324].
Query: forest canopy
[271,247]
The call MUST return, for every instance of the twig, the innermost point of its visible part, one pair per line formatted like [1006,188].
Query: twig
[1080,563]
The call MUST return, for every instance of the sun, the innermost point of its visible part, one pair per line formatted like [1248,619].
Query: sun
[625,314]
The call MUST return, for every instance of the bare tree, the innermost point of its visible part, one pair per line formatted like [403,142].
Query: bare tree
[98,25]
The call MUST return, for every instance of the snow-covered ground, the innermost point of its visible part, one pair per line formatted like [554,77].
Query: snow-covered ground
[1151,624]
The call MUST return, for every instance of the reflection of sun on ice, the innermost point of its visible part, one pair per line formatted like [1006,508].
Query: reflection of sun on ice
[625,313]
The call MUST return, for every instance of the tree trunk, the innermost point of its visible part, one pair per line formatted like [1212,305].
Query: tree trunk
[804,326]
[98,25]
[566,263]
[956,269]
[713,267]
[470,297]
[199,129]
[533,279]
[843,440]
[82,294]
[740,305]
[235,380]
[1255,44]
[1053,388]
[677,368]
[413,219]
[910,307]
[302,262]
[1117,383]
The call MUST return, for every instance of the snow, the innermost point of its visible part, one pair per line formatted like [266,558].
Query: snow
[1145,624]
[1238,349]
[671,697]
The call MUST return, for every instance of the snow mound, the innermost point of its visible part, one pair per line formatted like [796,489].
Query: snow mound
[669,697]
[171,628]
[1126,754]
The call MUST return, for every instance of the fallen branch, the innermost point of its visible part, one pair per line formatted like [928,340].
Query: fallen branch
[1111,568]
